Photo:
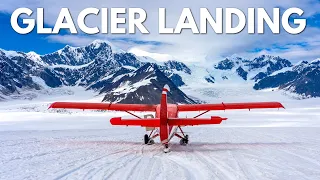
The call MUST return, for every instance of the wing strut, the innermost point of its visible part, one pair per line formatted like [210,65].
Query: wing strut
[133,114]
[201,114]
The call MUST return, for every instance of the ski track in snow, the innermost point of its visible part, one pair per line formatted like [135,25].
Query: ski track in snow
[224,153]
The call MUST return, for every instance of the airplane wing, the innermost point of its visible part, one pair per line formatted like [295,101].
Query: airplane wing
[104,106]
[229,106]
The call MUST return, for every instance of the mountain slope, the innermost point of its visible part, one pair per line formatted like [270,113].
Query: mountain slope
[94,67]
[255,69]
[303,79]
[143,86]
[15,73]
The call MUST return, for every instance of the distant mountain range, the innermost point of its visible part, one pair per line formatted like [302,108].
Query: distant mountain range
[126,78]
[303,78]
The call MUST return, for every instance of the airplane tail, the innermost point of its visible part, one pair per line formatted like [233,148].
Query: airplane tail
[164,114]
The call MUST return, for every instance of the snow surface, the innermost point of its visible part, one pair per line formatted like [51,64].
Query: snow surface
[37,143]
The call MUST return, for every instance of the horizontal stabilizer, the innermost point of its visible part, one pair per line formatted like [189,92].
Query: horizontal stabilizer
[149,122]
[195,121]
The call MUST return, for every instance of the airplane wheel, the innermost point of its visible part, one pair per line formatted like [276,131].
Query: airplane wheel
[184,141]
[166,149]
[187,136]
[146,139]
[150,142]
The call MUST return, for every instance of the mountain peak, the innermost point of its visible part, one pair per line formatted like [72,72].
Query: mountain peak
[316,61]
[35,57]
[179,66]
[11,54]
[148,67]
[67,48]
[98,43]
[143,86]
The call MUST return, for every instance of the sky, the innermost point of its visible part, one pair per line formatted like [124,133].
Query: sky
[186,46]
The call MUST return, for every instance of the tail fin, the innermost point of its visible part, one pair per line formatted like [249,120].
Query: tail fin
[164,114]
[163,105]
[166,88]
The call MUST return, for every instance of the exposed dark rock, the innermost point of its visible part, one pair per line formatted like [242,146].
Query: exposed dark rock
[226,64]
[144,86]
[242,73]
[179,66]
[303,79]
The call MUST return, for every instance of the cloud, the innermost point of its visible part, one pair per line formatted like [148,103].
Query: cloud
[70,39]
[186,46]
[124,43]
[156,56]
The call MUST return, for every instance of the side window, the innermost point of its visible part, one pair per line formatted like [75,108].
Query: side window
[148,116]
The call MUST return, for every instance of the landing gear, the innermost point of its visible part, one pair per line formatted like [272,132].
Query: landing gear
[166,148]
[148,140]
[184,141]
[184,138]
[151,141]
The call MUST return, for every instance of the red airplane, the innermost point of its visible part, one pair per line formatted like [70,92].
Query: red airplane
[166,123]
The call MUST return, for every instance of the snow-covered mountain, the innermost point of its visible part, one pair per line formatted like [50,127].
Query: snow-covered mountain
[144,84]
[126,77]
[94,67]
[74,56]
[16,71]
[255,69]
[304,79]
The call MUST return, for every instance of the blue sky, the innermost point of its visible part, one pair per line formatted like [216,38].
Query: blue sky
[305,46]
[42,44]
[11,40]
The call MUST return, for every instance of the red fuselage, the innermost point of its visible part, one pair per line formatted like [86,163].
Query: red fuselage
[165,129]
[165,111]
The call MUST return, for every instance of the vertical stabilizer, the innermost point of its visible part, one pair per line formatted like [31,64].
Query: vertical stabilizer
[164,115]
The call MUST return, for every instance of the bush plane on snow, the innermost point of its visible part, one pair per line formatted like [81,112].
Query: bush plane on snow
[166,124]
